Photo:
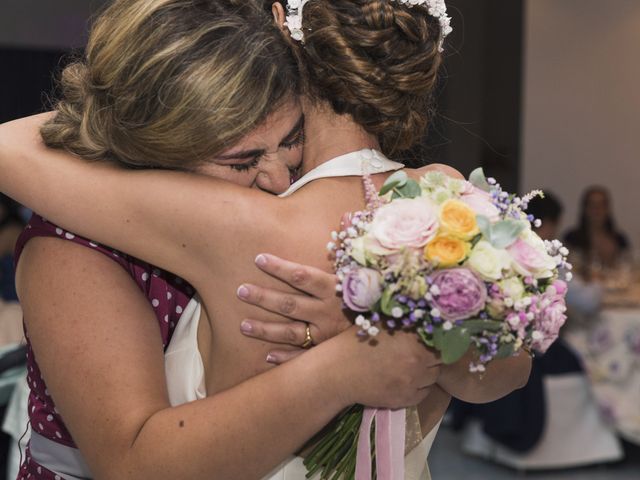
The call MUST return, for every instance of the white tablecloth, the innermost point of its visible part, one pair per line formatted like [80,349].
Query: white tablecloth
[610,352]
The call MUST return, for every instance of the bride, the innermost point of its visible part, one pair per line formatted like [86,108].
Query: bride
[371,67]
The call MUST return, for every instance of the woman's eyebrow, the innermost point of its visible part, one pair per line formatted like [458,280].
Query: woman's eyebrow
[258,152]
[242,154]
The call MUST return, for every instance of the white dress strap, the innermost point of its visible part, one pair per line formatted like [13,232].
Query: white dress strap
[353,164]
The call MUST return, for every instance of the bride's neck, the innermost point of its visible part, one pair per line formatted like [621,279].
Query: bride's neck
[329,135]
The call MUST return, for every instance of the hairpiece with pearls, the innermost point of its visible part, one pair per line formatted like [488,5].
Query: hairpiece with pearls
[436,8]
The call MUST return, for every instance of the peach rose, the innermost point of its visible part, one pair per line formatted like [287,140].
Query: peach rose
[458,219]
[446,251]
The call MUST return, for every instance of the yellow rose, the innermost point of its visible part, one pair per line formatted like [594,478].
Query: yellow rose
[458,219]
[447,251]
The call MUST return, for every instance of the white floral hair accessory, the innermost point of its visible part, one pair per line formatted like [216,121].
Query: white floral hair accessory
[436,8]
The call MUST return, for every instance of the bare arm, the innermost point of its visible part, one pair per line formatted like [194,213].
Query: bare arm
[99,348]
[127,220]
[125,209]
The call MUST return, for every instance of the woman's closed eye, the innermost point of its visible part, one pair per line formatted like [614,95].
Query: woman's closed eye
[243,167]
[296,141]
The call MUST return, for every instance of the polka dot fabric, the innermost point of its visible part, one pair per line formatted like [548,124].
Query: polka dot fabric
[167,294]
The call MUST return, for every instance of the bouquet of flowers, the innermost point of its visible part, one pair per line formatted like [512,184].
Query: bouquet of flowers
[455,261]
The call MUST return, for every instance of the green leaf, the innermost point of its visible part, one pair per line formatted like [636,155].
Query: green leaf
[505,232]
[478,179]
[478,326]
[484,224]
[426,338]
[455,343]
[387,303]
[411,189]
[398,179]
[505,350]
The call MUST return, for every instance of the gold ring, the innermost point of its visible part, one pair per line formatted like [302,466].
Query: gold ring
[308,341]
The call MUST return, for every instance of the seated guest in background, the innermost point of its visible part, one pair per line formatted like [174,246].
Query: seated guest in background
[11,224]
[596,241]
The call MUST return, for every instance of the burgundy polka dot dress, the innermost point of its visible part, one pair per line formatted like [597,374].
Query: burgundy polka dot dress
[167,294]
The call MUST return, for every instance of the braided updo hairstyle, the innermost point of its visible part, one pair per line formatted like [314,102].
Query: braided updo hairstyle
[170,83]
[376,60]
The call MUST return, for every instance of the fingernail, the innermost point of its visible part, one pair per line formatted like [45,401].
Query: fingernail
[271,358]
[261,260]
[243,292]
[246,327]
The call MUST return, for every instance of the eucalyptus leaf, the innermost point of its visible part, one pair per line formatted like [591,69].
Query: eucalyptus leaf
[455,343]
[478,179]
[505,232]
[484,224]
[411,189]
[396,180]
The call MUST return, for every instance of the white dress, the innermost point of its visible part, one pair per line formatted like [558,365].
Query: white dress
[183,363]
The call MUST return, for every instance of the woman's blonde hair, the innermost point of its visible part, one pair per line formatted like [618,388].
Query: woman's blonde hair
[170,83]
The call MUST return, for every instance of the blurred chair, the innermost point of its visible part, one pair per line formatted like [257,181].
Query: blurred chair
[553,422]
[574,433]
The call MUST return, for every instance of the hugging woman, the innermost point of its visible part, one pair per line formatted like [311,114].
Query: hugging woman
[96,338]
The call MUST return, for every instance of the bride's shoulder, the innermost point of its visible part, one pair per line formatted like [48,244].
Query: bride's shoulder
[416,173]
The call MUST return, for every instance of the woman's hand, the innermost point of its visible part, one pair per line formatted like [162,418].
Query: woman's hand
[392,371]
[317,305]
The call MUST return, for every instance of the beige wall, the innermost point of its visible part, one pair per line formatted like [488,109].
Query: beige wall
[581,98]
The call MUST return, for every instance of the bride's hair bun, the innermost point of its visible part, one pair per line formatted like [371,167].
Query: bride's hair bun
[376,60]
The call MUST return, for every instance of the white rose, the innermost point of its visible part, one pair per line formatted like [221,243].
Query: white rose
[488,261]
[512,288]
[365,250]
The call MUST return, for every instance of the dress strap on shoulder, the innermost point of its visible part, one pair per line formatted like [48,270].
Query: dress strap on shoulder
[353,164]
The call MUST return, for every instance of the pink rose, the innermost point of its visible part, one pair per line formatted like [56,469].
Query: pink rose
[549,318]
[405,223]
[560,287]
[361,288]
[530,261]
[481,203]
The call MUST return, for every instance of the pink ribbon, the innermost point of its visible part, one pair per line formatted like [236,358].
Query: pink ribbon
[390,437]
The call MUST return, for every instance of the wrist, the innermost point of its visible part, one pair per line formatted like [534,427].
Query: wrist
[329,365]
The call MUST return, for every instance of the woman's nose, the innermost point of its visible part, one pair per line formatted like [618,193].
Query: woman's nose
[274,177]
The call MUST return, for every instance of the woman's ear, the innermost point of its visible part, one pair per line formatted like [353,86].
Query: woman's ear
[278,15]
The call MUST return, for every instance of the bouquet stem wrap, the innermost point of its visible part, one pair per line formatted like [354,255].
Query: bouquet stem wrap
[389,445]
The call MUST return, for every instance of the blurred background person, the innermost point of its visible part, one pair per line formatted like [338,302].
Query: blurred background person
[596,242]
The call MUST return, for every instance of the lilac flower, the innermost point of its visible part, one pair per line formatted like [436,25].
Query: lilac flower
[462,294]
[361,288]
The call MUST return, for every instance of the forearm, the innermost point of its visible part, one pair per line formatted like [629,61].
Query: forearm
[501,378]
[243,432]
[112,206]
